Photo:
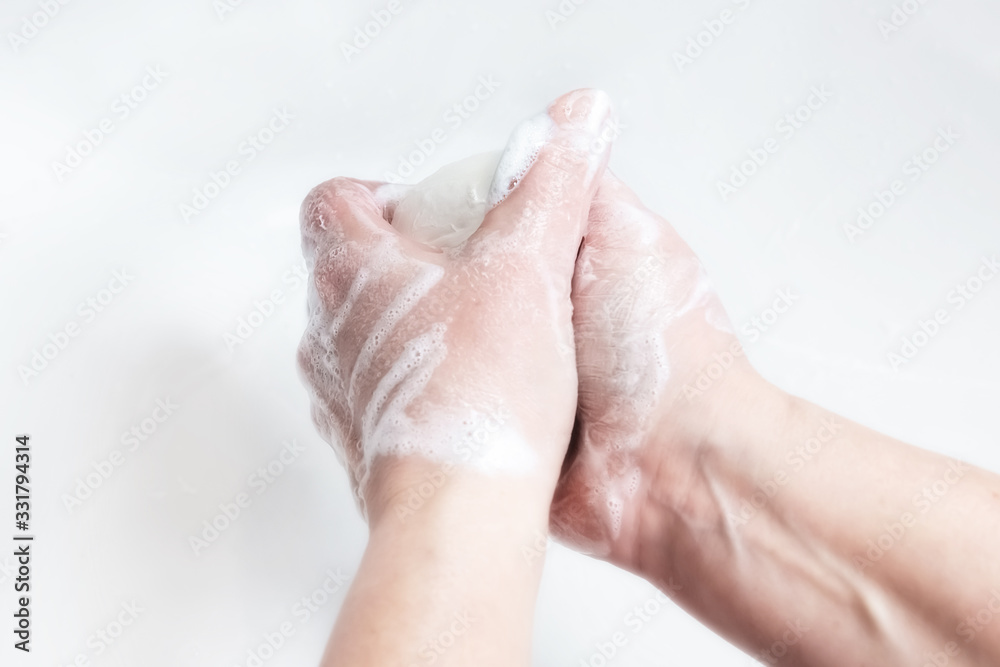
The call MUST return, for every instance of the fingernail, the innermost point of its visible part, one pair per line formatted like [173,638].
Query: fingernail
[586,109]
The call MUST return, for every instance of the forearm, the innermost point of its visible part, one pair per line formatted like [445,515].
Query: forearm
[451,582]
[829,543]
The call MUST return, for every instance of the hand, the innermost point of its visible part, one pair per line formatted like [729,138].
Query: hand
[463,357]
[790,530]
[648,324]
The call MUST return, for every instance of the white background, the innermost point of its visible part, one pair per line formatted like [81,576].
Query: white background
[684,129]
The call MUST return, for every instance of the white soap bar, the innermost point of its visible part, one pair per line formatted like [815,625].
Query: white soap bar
[445,208]
[448,206]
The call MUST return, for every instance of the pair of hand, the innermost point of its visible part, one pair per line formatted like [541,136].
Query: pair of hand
[568,365]
[571,304]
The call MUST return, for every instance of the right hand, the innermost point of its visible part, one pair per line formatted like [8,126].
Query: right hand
[648,325]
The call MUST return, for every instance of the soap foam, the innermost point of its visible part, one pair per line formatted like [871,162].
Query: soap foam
[523,147]
[394,418]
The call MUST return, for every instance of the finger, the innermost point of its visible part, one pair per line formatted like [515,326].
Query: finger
[618,219]
[629,251]
[337,211]
[548,175]
[389,196]
[613,189]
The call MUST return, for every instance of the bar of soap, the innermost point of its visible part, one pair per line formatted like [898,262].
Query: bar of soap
[448,206]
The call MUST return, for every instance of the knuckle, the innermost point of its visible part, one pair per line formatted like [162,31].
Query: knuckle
[566,160]
[328,205]
[335,270]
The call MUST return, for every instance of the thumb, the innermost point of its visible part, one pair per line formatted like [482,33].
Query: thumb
[338,211]
[342,221]
[548,174]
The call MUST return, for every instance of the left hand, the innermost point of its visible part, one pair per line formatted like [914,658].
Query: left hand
[417,357]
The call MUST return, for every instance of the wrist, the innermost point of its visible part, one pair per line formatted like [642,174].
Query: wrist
[715,449]
[425,500]
[464,564]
